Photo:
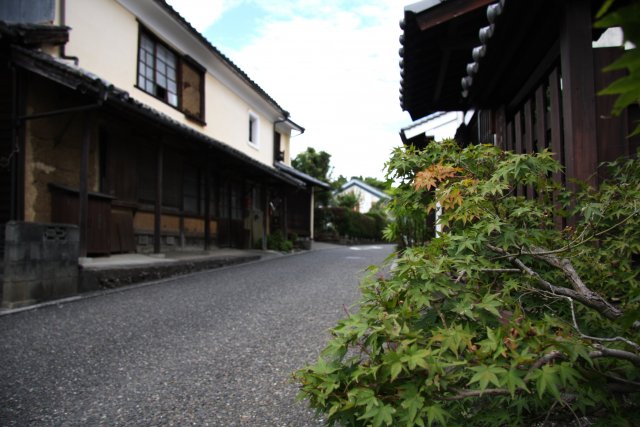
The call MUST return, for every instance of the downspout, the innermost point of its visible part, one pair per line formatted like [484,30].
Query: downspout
[63,22]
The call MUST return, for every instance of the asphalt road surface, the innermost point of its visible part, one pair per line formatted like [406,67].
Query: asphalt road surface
[215,348]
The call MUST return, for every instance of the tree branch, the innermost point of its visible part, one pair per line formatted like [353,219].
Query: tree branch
[567,269]
[615,353]
[613,339]
[500,270]
[463,394]
[591,299]
[547,358]
[581,241]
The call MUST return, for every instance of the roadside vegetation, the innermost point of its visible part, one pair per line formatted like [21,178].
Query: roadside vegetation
[337,217]
[521,312]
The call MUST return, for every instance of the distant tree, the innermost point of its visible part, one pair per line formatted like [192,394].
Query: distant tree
[348,200]
[318,165]
[314,163]
[339,182]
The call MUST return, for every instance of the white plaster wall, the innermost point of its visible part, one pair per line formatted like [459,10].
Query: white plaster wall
[104,37]
[285,145]
[366,199]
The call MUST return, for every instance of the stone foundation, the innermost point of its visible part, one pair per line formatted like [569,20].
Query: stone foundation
[40,262]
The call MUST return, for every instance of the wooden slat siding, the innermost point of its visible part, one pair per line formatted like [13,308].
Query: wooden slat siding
[518,144]
[157,244]
[541,120]
[556,144]
[485,128]
[509,138]
[6,112]
[528,138]
[83,218]
[65,208]
[122,234]
[555,123]
[207,202]
[611,130]
[578,94]
[501,128]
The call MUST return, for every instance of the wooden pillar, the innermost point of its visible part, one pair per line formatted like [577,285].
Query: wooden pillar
[285,214]
[312,212]
[578,93]
[501,128]
[157,235]
[83,187]
[207,203]
[265,216]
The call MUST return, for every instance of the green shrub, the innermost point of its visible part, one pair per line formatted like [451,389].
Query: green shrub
[503,319]
[338,222]
[277,242]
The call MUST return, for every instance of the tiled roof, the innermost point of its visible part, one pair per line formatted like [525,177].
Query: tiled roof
[302,176]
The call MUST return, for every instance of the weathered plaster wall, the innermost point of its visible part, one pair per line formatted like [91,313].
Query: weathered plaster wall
[53,148]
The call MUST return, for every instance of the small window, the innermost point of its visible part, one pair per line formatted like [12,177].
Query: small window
[157,67]
[254,129]
[178,81]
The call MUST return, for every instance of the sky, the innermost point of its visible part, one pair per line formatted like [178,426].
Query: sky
[333,64]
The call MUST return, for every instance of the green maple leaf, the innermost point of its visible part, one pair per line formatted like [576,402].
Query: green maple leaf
[384,415]
[323,368]
[412,403]
[417,358]
[486,374]
[547,380]
[513,381]
[436,413]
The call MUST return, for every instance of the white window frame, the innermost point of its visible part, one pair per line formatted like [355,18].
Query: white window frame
[253,137]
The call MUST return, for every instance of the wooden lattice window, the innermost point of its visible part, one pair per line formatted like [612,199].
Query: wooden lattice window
[175,80]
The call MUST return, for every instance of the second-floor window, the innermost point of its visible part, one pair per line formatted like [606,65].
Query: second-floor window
[178,81]
[254,130]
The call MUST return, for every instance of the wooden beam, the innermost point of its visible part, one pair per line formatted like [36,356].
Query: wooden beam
[285,213]
[578,93]
[528,137]
[541,125]
[207,203]
[83,196]
[447,11]
[265,216]
[501,128]
[555,117]
[518,144]
[157,218]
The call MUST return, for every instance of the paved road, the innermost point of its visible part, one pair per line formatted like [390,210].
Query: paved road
[216,348]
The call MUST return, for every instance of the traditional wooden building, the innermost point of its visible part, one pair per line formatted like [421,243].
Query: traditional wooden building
[118,116]
[529,71]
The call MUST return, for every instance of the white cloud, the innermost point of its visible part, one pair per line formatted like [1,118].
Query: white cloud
[200,13]
[337,73]
[334,65]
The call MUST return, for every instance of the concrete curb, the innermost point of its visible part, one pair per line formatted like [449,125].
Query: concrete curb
[92,279]
[96,281]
